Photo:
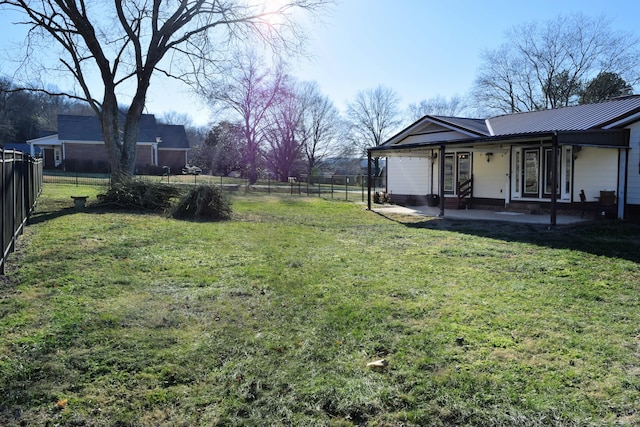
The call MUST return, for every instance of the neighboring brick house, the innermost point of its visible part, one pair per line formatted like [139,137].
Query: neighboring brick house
[78,146]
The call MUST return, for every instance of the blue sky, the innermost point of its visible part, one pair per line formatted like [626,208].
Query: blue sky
[426,48]
[419,48]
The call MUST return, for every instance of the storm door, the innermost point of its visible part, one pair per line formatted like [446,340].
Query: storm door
[457,169]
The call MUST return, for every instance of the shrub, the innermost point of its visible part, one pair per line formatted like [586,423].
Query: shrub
[381,197]
[139,195]
[206,202]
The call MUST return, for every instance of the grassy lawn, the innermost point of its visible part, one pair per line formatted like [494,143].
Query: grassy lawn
[119,319]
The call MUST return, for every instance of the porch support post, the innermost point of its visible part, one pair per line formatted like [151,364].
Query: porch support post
[368,180]
[554,178]
[441,180]
[622,182]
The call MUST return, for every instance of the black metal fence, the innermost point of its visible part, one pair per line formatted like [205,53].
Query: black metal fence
[344,187]
[21,183]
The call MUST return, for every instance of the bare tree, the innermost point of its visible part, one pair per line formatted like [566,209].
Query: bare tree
[545,65]
[126,42]
[436,106]
[320,125]
[373,115]
[248,89]
[283,131]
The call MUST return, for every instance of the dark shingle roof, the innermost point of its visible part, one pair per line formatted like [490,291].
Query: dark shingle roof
[17,146]
[172,136]
[87,128]
[580,117]
[147,131]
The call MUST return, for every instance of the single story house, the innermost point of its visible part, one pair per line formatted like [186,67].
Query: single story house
[508,162]
[78,146]
[17,146]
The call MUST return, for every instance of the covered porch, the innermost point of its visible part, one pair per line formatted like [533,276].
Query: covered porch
[529,172]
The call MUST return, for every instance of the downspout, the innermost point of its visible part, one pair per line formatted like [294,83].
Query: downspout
[368,180]
[441,183]
[554,178]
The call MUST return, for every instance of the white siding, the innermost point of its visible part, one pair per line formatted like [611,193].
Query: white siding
[407,175]
[490,178]
[595,169]
[633,172]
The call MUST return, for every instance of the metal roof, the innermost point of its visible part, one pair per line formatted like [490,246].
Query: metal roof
[579,117]
[602,138]
[589,124]
[477,126]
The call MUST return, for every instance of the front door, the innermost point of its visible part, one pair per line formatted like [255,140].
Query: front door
[457,169]
[49,162]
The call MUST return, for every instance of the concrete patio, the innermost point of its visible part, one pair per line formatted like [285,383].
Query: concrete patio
[482,215]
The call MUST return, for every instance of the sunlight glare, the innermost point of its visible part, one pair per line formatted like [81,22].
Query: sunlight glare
[270,8]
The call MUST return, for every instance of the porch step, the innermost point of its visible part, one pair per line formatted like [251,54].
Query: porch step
[452,203]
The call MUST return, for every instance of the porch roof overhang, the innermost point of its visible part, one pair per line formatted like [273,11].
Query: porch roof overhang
[601,138]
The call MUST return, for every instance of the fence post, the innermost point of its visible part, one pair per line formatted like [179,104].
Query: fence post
[13,202]
[2,206]
[346,188]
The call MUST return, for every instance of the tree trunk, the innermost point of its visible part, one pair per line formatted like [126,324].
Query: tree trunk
[122,140]
[110,123]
